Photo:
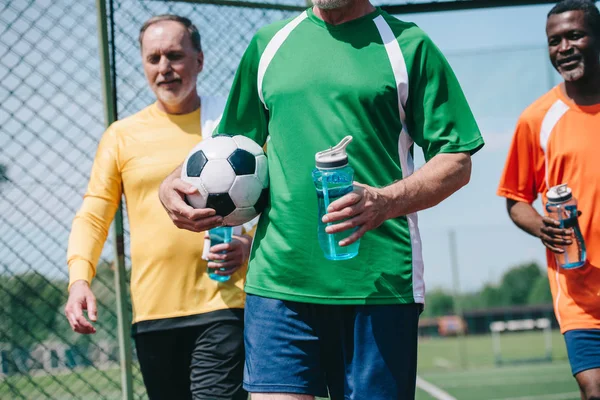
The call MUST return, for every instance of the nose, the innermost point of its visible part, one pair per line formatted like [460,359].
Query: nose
[164,65]
[564,46]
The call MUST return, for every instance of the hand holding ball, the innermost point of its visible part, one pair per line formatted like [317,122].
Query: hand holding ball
[231,175]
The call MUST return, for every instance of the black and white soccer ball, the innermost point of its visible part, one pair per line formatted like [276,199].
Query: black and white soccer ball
[231,175]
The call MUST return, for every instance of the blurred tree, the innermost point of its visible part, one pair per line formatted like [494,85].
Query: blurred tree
[439,302]
[492,296]
[517,282]
[103,287]
[540,292]
[30,303]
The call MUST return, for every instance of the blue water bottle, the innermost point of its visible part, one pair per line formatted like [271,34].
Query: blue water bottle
[562,206]
[218,235]
[333,179]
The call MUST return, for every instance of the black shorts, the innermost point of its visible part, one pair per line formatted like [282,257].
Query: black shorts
[195,362]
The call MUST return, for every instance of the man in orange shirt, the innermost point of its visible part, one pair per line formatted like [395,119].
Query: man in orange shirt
[556,141]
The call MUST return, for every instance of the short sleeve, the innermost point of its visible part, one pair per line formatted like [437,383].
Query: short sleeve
[524,171]
[439,119]
[245,113]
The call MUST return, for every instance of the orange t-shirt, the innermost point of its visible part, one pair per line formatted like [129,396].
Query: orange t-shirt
[557,141]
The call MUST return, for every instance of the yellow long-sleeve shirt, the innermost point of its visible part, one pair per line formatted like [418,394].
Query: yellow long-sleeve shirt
[168,276]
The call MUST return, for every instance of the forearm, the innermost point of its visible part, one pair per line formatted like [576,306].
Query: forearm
[525,217]
[443,175]
[88,234]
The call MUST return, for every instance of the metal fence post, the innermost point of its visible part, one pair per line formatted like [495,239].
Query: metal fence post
[457,304]
[124,337]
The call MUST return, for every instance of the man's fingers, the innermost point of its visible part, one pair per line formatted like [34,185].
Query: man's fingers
[72,320]
[553,249]
[354,237]
[345,225]
[235,257]
[182,186]
[79,324]
[224,268]
[556,235]
[550,222]
[84,326]
[345,213]
[194,214]
[347,200]
[217,248]
[91,307]
[83,322]
[198,225]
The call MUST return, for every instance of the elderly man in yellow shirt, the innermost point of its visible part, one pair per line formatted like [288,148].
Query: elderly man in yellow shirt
[188,329]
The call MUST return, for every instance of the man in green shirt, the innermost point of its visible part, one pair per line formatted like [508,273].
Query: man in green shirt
[343,67]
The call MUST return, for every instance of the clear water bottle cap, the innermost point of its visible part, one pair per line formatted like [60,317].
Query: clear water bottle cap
[333,157]
[559,193]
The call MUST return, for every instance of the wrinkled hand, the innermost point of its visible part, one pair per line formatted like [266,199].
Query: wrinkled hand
[236,254]
[553,236]
[172,193]
[365,207]
[81,298]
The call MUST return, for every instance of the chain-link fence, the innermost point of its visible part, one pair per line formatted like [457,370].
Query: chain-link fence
[51,118]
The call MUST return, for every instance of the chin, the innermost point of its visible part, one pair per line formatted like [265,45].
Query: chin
[331,4]
[573,75]
[170,98]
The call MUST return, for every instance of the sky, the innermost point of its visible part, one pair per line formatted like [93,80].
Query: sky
[51,119]
[500,59]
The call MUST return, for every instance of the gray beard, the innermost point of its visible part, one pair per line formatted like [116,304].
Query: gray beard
[574,75]
[330,4]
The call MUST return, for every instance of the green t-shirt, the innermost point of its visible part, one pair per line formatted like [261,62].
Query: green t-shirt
[306,84]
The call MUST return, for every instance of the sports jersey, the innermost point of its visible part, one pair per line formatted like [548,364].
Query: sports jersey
[555,142]
[306,84]
[168,275]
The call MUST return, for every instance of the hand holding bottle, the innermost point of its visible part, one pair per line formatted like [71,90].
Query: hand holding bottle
[554,237]
[227,253]
[566,238]
[365,207]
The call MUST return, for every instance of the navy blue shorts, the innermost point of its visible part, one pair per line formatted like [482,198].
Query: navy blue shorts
[583,348]
[354,352]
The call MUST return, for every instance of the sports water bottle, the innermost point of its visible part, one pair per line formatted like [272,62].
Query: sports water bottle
[218,235]
[333,179]
[562,206]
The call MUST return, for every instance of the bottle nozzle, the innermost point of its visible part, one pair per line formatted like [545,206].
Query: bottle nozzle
[562,189]
[335,156]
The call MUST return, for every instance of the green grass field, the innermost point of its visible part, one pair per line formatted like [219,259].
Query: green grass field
[470,374]
[463,375]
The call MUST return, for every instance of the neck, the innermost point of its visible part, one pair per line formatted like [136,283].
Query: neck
[351,11]
[190,104]
[585,91]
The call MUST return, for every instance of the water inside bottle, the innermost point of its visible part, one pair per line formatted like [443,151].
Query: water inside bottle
[219,235]
[330,242]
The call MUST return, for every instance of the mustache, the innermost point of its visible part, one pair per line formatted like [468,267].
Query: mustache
[172,80]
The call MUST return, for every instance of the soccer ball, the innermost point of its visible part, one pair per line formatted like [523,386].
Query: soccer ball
[231,175]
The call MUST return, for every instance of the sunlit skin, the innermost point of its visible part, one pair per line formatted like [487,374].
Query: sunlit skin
[574,51]
[337,12]
[171,65]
